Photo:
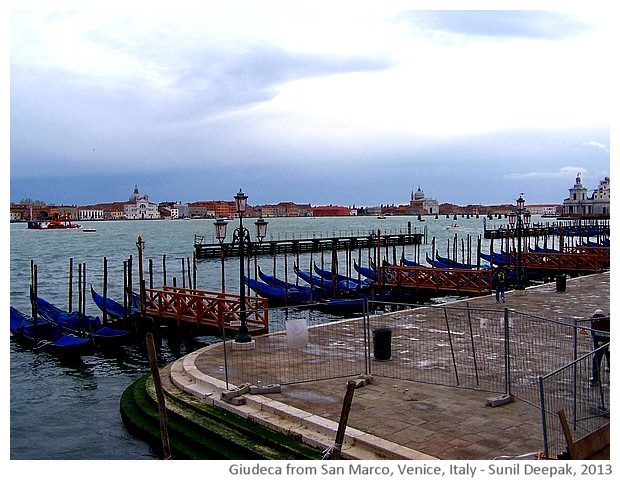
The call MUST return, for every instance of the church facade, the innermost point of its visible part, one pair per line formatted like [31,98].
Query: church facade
[421,205]
[140,208]
[581,205]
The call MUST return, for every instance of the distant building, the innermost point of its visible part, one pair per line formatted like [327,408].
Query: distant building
[91,213]
[331,211]
[173,210]
[422,205]
[140,208]
[550,210]
[211,209]
[580,205]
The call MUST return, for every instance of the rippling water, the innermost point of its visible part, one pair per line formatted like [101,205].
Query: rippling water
[63,409]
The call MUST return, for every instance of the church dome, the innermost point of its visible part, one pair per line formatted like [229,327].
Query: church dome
[419,195]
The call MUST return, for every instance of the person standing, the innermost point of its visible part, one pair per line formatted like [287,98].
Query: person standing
[500,285]
[600,334]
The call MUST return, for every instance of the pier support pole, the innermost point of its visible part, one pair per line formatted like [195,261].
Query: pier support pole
[334,452]
[161,402]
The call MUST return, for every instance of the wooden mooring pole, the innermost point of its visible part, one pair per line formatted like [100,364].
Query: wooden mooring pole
[161,402]
[334,452]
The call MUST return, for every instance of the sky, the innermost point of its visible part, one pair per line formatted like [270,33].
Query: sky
[346,105]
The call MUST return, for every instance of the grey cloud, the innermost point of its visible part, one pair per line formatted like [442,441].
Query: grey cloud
[502,23]
[229,80]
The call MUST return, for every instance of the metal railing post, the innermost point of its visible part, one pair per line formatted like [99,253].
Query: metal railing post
[506,353]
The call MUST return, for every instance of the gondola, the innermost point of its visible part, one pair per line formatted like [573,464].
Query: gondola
[278,296]
[497,258]
[114,309]
[313,292]
[444,262]
[368,272]
[344,282]
[46,336]
[544,250]
[79,324]
[409,263]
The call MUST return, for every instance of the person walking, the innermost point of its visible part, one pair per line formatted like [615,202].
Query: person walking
[500,285]
[600,334]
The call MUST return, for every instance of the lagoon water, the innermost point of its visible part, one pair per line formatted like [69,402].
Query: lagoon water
[61,409]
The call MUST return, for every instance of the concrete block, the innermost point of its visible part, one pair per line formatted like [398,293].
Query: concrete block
[500,400]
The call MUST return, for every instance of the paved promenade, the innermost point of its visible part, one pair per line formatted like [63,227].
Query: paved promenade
[390,418]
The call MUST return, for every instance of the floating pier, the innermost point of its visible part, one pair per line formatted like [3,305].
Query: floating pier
[599,229]
[274,247]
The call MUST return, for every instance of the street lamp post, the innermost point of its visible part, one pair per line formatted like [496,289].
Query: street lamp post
[518,217]
[220,234]
[241,236]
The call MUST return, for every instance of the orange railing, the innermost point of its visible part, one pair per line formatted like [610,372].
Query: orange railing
[438,279]
[206,309]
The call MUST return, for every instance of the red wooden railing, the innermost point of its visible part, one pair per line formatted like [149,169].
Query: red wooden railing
[206,309]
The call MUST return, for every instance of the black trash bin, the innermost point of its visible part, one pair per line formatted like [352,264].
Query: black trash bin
[382,339]
[560,283]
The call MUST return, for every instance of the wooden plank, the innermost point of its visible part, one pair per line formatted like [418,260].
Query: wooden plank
[593,446]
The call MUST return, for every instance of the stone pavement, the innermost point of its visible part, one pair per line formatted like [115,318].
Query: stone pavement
[392,418]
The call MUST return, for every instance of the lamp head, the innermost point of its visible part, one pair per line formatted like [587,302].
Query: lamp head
[261,228]
[220,229]
[241,201]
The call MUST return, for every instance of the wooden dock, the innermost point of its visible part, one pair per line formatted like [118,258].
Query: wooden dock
[574,260]
[207,312]
[599,230]
[275,247]
[444,281]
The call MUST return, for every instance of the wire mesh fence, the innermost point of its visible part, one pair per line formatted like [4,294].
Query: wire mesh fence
[494,350]
[584,401]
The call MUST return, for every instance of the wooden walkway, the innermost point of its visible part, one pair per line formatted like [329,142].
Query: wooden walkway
[600,229]
[440,280]
[576,260]
[210,312]
[275,247]
[570,259]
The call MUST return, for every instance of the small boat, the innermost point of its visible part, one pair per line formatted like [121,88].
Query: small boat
[314,280]
[313,293]
[539,249]
[497,258]
[381,217]
[444,262]
[409,263]
[454,226]
[345,282]
[79,324]
[115,309]
[278,296]
[89,229]
[46,336]
[368,272]
[340,305]
[62,223]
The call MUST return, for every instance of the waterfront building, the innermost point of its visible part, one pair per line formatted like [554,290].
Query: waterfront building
[548,210]
[422,205]
[90,213]
[284,209]
[173,210]
[581,205]
[21,212]
[331,211]
[211,209]
[140,208]
[102,211]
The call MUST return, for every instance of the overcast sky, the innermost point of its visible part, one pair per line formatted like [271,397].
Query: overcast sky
[322,106]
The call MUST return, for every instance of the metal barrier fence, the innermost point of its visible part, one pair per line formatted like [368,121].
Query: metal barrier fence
[501,351]
[569,389]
